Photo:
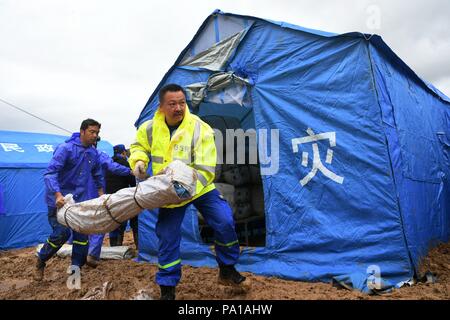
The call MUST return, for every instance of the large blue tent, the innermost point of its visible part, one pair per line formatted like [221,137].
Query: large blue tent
[23,212]
[363,179]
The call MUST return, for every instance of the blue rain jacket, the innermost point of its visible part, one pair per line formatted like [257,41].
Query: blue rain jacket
[70,170]
[108,164]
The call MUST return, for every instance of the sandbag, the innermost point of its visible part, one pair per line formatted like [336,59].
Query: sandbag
[218,173]
[227,193]
[255,174]
[107,253]
[257,196]
[222,123]
[106,213]
[243,210]
[242,195]
[237,175]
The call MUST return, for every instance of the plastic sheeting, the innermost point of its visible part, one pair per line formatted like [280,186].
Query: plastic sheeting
[217,28]
[366,131]
[414,123]
[19,231]
[215,57]
[106,213]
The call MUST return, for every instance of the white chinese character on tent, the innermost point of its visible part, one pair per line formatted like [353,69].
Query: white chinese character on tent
[44,147]
[8,147]
[317,162]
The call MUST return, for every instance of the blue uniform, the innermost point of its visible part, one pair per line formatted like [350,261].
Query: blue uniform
[217,214]
[107,165]
[69,171]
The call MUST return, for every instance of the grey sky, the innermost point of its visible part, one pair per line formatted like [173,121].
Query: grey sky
[68,60]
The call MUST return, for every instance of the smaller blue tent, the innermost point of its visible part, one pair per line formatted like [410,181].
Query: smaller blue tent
[23,159]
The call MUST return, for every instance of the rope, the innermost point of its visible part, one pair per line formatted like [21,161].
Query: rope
[105,205]
[29,113]
[109,212]
[134,195]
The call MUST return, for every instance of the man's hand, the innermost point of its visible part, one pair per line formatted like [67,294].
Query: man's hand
[59,200]
[139,170]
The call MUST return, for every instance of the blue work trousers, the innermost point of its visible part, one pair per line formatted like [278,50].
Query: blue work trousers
[59,236]
[95,245]
[217,214]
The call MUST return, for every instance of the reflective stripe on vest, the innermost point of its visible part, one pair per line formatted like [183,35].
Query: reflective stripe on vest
[156,159]
[150,133]
[195,138]
[185,161]
[203,167]
[202,179]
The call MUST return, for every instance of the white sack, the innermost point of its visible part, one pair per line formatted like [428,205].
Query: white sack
[107,253]
[106,213]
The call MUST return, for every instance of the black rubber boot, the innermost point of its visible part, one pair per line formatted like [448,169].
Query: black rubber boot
[120,239]
[39,270]
[228,275]
[167,293]
[92,262]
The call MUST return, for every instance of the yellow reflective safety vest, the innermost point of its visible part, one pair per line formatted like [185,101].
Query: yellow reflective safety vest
[192,143]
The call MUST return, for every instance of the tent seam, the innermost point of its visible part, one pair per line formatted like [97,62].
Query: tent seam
[405,240]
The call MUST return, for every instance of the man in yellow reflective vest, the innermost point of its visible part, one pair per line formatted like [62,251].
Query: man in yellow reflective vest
[176,134]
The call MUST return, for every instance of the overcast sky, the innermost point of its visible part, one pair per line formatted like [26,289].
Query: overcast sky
[67,60]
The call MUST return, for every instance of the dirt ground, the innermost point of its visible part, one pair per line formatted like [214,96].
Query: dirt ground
[127,279]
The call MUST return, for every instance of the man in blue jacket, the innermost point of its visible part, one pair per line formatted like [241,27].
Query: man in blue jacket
[115,183]
[72,165]
[109,166]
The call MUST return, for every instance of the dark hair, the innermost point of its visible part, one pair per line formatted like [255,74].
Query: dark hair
[119,148]
[89,122]
[171,87]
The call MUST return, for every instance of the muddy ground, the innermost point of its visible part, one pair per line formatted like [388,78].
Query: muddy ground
[126,279]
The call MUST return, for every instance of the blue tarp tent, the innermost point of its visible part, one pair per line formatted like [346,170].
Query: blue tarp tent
[23,212]
[363,180]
